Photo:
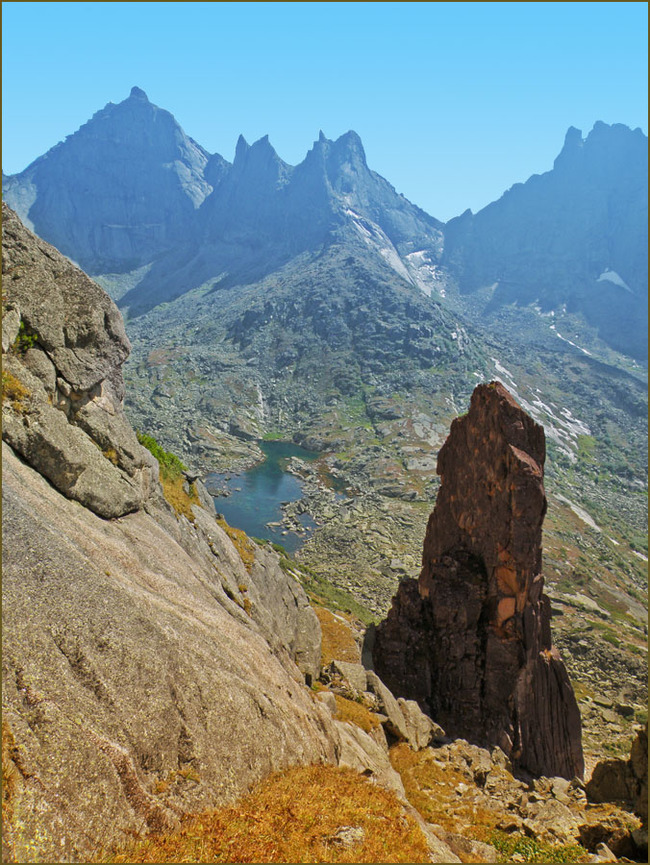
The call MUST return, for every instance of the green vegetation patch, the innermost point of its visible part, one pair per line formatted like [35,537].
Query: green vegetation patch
[322,592]
[171,477]
[170,465]
[25,339]
[534,850]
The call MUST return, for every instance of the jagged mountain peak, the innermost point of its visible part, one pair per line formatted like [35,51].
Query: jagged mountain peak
[604,138]
[241,149]
[591,210]
[572,140]
[259,162]
[129,172]
[346,147]
[138,93]
[350,142]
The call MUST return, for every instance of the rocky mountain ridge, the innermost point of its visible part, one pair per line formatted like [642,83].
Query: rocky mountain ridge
[573,237]
[163,217]
[208,219]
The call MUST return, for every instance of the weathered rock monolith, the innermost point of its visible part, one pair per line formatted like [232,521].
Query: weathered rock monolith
[471,639]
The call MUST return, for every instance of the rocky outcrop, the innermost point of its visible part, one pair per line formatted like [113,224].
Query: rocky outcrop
[63,348]
[471,640]
[401,720]
[624,781]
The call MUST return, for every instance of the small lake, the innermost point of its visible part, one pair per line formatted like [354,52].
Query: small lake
[256,496]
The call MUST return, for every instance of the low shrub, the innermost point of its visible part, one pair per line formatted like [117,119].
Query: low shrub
[14,391]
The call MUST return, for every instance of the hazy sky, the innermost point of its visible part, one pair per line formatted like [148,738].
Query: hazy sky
[454,102]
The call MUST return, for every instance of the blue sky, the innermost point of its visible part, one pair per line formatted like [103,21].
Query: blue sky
[454,102]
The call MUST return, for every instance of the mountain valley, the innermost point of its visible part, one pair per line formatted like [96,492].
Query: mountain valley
[314,304]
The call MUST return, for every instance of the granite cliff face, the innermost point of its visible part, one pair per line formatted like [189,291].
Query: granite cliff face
[69,345]
[152,666]
[471,640]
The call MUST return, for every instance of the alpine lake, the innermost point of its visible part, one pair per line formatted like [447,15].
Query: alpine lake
[253,501]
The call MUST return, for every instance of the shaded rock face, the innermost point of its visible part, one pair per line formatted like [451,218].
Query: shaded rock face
[64,343]
[471,639]
[120,190]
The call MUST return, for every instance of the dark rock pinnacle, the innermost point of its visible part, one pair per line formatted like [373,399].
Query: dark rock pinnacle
[471,639]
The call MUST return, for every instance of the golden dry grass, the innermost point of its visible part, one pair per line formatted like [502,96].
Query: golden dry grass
[173,491]
[14,391]
[9,772]
[293,816]
[356,713]
[338,641]
[431,789]
[243,544]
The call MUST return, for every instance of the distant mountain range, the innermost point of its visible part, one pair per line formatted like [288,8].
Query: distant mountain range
[576,235]
[131,194]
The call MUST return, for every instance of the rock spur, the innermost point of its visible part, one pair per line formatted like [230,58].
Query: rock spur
[471,639]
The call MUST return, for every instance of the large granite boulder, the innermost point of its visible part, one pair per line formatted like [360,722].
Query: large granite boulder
[63,348]
[624,780]
[471,641]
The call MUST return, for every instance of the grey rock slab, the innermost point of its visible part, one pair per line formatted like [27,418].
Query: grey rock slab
[68,459]
[10,327]
[76,322]
[422,731]
[359,751]
[354,674]
[122,660]
[388,705]
[467,848]
[329,700]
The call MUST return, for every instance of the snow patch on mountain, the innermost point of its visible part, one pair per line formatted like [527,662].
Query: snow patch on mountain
[375,237]
[611,276]
[564,339]
[559,424]
[580,512]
